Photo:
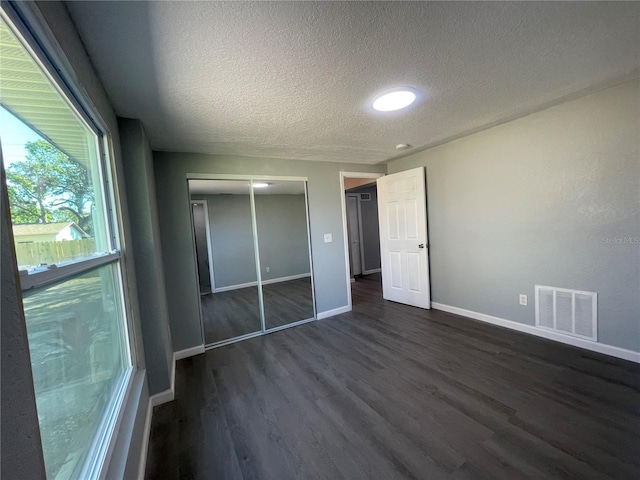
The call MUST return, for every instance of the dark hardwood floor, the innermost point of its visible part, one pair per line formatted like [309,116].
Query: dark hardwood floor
[389,392]
[237,312]
[230,314]
[287,302]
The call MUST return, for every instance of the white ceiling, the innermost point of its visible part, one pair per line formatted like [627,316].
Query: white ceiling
[293,79]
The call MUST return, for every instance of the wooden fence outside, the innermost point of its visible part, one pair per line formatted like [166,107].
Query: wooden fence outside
[32,254]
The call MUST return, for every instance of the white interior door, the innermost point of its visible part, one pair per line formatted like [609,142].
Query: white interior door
[404,244]
[354,235]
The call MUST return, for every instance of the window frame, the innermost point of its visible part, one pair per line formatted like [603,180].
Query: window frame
[27,23]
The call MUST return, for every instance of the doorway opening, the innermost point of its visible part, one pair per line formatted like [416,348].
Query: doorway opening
[360,226]
[403,248]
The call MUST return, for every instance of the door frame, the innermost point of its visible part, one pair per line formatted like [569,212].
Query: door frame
[345,235]
[205,206]
[360,235]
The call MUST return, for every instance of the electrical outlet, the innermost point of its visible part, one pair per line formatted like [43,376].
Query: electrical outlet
[328,238]
[523,300]
[268,269]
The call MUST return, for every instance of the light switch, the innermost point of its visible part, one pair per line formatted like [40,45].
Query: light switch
[328,238]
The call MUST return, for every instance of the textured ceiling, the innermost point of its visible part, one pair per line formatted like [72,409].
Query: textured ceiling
[294,80]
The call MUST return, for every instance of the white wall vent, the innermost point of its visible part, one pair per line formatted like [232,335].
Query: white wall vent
[571,312]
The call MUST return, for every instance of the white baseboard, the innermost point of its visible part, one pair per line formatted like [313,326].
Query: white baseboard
[264,282]
[286,279]
[173,377]
[142,466]
[188,352]
[353,280]
[617,352]
[162,397]
[373,270]
[234,287]
[168,394]
[334,312]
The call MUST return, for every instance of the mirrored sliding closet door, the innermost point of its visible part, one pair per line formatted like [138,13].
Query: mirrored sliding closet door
[251,239]
[283,243]
[226,259]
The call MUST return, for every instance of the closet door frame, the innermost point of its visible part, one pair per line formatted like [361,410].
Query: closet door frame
[313,291]
[254,227]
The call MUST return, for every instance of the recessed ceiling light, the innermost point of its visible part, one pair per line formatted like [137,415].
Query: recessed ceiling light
[260,185]
[403,146]
[394,100]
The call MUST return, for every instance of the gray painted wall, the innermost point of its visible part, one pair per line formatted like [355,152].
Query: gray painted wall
[173,205]
[234,260]
[546,199]
[282,237]
[370,226]
[147,253]
[283,240]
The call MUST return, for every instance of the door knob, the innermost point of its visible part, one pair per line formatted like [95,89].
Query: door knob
[421,245]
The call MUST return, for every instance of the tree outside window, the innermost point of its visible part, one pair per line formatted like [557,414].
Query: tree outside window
[48,186]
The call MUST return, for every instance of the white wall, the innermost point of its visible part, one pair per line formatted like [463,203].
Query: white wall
[545,199]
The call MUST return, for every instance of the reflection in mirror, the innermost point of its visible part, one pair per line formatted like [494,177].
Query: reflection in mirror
[226,261]
[283,245]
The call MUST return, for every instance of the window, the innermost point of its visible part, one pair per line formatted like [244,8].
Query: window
[70,266]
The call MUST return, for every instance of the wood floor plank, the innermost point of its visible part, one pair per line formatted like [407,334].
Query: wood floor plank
[234,313]
[393,392]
